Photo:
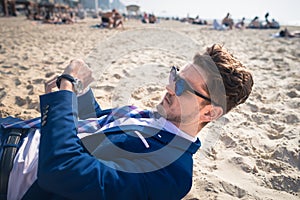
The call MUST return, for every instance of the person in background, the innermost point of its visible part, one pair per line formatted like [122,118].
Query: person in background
[255,23]
[107,19]
[145,18]
[117,19]
[285,33]
[228,21]
[152,19]
[240,24]
[9,8]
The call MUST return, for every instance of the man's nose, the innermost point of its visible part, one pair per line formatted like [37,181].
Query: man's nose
[170,89]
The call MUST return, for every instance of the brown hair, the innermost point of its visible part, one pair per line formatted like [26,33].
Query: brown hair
[228,81]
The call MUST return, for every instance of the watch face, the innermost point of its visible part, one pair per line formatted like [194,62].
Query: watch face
[78,86]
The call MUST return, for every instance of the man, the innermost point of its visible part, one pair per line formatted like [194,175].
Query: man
[125,153]
[111,19]
[9,7]
[117,19]
[107,19]
[228,21]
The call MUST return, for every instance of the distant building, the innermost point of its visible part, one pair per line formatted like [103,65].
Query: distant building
[67,2]
[117,5]
[104,4]
[88,4]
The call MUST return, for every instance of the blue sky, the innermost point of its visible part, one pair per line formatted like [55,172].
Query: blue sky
[285,11]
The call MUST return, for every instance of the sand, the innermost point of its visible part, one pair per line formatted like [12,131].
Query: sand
[250,153]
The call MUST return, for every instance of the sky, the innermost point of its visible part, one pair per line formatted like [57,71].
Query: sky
[284,11]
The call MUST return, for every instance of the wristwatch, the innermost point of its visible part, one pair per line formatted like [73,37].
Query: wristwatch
[78,86]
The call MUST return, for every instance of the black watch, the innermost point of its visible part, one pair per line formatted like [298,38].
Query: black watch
[78,86]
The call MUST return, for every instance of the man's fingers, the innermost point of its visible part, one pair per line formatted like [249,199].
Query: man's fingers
[87,81]
[49,85]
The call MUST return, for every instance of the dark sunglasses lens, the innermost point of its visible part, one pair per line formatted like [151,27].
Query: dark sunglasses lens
[179,87]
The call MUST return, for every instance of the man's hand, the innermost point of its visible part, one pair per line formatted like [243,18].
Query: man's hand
[80,70]
[49,85]
[76,68]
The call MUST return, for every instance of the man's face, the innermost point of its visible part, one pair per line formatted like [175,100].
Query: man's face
[184,108]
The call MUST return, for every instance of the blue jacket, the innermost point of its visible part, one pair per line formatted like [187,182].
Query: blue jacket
[123,169]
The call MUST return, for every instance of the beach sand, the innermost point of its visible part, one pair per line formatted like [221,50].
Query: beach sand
[250,153]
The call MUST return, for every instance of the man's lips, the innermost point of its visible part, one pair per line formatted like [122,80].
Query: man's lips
[167,98]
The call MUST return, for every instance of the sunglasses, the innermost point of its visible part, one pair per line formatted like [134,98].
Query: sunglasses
[181,85]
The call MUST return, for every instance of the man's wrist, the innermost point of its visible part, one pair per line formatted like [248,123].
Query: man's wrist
[66,85]
[77,84]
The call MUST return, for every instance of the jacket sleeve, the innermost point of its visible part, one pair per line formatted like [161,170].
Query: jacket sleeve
[88,106]
[65,168]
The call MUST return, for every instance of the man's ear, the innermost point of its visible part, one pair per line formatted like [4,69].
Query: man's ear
[210,112]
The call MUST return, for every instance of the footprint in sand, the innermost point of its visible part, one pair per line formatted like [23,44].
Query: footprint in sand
[239,161]
[49,74]
[274,135]
[253,108]
[17,82]
[291,157]
[233,190]
[117,76]
[24,68]
[292,94]
[20,101]
[269,166]
[259,118]
[106,88]
[32,105]
[294,104]
[2,93]
[38,81]
[268,110]
[228,141]
[294,85]
[6,66]
[284,183]
[291,119]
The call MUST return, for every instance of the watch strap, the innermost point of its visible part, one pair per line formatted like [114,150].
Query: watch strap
[65,76]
